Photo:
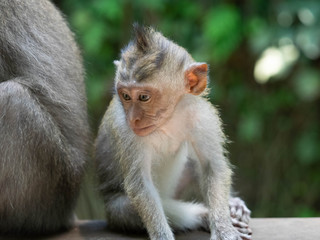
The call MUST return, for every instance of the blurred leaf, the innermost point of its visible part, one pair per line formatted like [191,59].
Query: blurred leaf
[307,84]
[95,91]
[279,101]
[149,4]
[308,39]
[93,39]
[222,30]
[111,9]
[259,33]
[308,147]
[81,19]
[305,211]
[191,9]
[249,127]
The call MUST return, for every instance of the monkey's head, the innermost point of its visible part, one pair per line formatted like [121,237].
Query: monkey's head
[152,75]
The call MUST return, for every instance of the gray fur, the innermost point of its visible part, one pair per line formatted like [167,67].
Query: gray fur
[44,131]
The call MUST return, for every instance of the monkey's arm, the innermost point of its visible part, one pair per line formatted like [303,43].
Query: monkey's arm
[216,173]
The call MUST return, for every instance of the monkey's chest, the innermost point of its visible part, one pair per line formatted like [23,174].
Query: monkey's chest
[167,168]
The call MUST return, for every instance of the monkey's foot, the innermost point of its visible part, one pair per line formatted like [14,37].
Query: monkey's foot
[224,231]
[243,228]
[240,216]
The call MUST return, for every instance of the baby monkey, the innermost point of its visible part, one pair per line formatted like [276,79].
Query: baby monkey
[157,128]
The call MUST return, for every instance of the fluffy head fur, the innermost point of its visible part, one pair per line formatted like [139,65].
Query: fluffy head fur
[149,55]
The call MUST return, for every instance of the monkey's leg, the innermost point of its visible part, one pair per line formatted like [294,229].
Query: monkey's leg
[215,185]
[215,189]
[38,185]
[121,215]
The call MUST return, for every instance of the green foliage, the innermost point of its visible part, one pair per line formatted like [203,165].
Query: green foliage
[273,127]
[222,31]
[307,147]
[250,127]
[307,84]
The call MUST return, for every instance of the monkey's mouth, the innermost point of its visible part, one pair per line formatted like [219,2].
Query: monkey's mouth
[144,131]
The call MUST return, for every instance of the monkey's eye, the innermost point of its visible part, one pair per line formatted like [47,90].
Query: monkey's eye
[126,97]
[144,97]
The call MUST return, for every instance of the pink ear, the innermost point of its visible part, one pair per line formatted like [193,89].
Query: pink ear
[196,78]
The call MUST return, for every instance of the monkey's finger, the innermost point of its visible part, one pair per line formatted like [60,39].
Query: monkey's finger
[233,211]
[246,210]
[246,214]
[247,231]
[245,236]
[237,223]
[239,213]
[245,218]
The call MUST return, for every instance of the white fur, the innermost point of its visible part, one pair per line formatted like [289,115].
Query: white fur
[166,171]
[185,215]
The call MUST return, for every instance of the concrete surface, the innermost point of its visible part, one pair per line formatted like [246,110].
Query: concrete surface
[263,229]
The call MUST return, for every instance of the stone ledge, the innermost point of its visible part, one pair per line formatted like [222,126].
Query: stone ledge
[263,229]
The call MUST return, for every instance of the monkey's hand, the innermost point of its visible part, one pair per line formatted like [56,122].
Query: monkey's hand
[240,216]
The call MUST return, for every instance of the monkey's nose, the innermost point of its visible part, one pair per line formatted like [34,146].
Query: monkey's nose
[135,122]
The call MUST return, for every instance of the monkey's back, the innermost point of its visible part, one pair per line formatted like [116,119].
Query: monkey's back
[40,60]
[39,52]
[35,40]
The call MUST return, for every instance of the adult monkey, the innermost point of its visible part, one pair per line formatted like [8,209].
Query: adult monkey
[158,127]
[43,118]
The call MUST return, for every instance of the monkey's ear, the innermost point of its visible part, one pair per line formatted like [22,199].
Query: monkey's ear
[196,78]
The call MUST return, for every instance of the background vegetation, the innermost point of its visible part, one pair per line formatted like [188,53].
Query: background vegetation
[265,79]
